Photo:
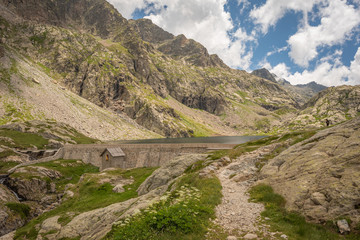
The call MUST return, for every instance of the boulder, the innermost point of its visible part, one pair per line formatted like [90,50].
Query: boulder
[165,174]
[343,226]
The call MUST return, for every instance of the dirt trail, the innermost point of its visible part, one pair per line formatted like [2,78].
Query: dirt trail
[236,215]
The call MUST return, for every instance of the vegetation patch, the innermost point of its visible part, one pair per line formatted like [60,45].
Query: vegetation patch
[71,171]
[290,223]
[20,208]
[181,214]
[89,194]
[22,140]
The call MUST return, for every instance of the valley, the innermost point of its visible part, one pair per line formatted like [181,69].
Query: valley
[93,112]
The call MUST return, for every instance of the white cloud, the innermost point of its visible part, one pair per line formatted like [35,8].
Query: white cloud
[337,21]
[354,76]
[207,22]
[268,14]
[326,73]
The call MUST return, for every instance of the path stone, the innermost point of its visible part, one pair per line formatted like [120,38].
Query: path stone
[250,236]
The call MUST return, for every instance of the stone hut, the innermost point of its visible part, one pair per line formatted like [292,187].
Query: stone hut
[112,157]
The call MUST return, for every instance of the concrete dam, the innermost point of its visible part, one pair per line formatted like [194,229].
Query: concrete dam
[135,155]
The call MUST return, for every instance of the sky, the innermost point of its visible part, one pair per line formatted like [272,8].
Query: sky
[298,40]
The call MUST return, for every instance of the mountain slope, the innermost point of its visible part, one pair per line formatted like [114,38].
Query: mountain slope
[336,104]
[115,68]
[28,93]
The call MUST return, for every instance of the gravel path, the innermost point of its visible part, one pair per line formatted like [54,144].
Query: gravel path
[236,215]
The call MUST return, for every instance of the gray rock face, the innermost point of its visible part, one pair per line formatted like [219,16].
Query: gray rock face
[164,175]
[8,220]
[320,177]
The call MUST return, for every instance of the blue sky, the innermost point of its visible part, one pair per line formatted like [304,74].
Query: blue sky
[299,40]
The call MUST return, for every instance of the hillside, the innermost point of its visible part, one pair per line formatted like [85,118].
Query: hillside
[337,104]
[169,85]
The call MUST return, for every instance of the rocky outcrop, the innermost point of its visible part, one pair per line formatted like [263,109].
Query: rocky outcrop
[337,104]
[9,220]
[320,176]
[264,73]
[34,183]
[166,174]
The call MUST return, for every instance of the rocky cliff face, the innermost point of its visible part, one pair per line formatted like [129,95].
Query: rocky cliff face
[320,176]
[134,67]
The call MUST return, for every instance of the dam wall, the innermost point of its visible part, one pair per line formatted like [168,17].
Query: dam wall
[137,155]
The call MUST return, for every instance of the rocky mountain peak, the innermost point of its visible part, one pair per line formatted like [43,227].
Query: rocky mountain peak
[264,73]
[95,16]
[150,32]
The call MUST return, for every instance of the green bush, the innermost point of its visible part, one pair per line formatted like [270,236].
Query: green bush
[182,214]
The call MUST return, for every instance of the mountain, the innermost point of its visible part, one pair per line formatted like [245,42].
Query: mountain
[300,92]
[264,73]
[168,84]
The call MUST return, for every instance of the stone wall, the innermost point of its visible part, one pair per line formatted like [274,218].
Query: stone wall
[137,155]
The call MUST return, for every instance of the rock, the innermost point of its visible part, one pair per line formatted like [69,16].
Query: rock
[318,198]
[6,195]
[231,238]
[304,174]
[168,172]
[49,172]
[54,144]
[118,188]
[284,236]
[69,193]
[51,224]
[250,236]
[9,236]
[343,226]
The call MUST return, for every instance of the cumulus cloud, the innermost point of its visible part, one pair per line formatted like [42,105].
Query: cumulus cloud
[207,22]
[329,72]
[337,21]
[268,14]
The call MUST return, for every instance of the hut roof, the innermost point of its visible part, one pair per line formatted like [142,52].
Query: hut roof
[115,152]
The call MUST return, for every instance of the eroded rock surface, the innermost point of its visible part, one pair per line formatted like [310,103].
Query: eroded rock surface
[320,177]
[169,172]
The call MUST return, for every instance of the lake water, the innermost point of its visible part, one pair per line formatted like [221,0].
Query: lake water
[220,139]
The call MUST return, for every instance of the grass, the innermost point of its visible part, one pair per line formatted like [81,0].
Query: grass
[20,208]
[5,166]
[183,214]
[23,140]
[89,195]
[71,171]
[291,224]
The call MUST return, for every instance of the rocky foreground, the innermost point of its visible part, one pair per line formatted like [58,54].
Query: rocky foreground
[318,177]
